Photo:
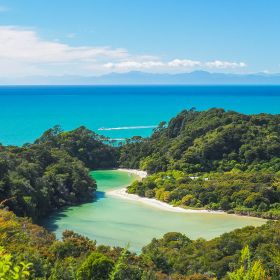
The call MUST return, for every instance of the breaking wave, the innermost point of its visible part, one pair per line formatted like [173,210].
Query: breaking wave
[128,127]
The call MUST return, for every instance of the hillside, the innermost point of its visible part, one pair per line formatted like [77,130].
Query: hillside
[215,159]
[211,159]
[213,140]
[53,172]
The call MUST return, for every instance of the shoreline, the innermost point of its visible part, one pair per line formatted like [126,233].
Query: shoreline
[122,193]
[140,173]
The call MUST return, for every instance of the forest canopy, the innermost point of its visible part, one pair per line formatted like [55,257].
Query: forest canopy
[53,172]
[212,140]
[214,159]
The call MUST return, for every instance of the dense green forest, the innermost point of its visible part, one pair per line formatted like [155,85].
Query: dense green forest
[214,159]
[248,193]
[212,140]
[82,144]
[53,172]
[31,249]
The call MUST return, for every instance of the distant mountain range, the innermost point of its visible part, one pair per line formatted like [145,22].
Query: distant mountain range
[142,78]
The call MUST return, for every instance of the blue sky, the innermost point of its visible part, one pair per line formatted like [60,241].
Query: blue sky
[94,37]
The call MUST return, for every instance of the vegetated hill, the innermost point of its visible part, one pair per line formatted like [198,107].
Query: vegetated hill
[215,159]
[83,144]
[247,193]
[174,256]
[53,172]
[212,140]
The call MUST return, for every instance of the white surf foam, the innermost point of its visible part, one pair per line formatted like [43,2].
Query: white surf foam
[116,139]
[128,127]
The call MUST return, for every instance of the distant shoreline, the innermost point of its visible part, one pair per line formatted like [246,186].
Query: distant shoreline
[122,193]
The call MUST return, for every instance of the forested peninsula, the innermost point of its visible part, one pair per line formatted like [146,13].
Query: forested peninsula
[53,172]
[214,159]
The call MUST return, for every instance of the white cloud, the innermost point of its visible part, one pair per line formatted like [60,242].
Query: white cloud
[184,63]
[24,48]
[24,45]
[175,65]
[224,64]
[23,52]
[133,65]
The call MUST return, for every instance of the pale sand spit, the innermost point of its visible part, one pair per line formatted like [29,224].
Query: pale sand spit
[122,193]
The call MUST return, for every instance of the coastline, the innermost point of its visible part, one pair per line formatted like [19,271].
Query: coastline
[122,193]
[140,173]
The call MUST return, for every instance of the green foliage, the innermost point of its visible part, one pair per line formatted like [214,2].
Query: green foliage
[13,271]
[53,172]
[212,140]
[212,159]
[250,193]
[176,254]
[96,267]
[119,265]
[83,144]
[248,270]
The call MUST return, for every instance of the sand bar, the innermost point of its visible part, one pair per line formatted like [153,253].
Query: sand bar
[122,193]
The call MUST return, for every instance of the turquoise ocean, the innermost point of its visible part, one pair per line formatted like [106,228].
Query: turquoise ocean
[27,111]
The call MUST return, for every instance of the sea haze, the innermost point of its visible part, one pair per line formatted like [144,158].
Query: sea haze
[120,111]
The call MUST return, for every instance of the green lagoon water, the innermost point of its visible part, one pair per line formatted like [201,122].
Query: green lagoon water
[115,221]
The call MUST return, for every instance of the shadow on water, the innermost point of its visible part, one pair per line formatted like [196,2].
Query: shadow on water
[99,195]
[50,222]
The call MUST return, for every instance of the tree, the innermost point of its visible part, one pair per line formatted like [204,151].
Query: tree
[96,267]
[11,271]
[119,264]
[248,270]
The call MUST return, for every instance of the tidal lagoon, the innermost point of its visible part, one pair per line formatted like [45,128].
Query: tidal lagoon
[115,221]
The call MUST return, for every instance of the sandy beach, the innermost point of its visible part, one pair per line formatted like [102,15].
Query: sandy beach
[122,193]
[140,173]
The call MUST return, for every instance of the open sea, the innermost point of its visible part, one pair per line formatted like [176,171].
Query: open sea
[121,111]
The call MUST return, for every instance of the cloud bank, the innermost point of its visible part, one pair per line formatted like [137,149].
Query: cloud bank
[24,53]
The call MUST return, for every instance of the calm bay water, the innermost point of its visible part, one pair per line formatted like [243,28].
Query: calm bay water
[26,112]
[115,221]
